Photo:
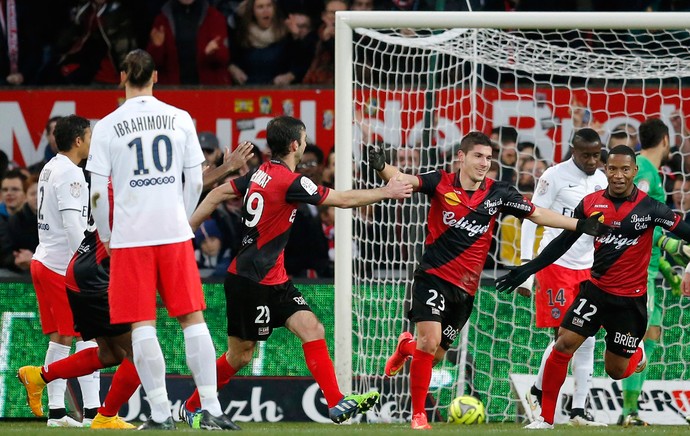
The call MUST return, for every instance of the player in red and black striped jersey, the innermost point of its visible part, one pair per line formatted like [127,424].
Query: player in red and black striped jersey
[464,208]
[615,297]
[260,296]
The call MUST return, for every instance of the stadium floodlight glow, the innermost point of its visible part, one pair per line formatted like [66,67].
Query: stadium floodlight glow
[420,81]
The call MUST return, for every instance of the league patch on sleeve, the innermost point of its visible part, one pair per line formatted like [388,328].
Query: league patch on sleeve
[643,185]
[308,185]
[542,186]
[75,189]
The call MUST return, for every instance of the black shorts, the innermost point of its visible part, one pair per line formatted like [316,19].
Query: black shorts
[91,313]
[434,299]
[255,310]
[624,318]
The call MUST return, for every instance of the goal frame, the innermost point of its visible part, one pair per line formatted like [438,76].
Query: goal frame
[345,24]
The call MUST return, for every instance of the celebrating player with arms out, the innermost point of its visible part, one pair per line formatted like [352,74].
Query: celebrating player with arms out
[464,208]
[561,188]
[615,296]
[259,295]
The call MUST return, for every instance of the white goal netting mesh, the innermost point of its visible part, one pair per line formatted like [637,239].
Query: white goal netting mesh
[416,93]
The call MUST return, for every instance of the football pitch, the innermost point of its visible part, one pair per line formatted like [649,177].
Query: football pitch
[38,428]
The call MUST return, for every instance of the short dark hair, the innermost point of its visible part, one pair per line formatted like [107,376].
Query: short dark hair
[651,132]
[50,121]
[505,133]
[314,149]
[68,129]
[139,67]
[472,139]
[621,149]
[585,136]
[15,173]
[280,132]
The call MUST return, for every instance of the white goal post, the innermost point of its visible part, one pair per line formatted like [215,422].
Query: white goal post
[475,40]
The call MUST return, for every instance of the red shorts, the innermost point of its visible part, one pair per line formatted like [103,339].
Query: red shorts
[136,273]
[557,287]
[53,306]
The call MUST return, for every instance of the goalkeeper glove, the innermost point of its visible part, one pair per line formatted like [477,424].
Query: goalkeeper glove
[672,279]
[678,249]
[515,277]
[377,158]
[592,226]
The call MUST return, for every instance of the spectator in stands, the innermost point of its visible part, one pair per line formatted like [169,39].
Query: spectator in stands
[681,196]
[327,215]
[211,149]
[506,137]
[93,46]
[13,199]
[322,69]
[256,159]
[301,45]
[23,227]
[530,171]
[51,148]
[189,44]
[228,217]
[306,253]
[362,5]
[680,144]
[210,252]
[328,174]
[259,48]
[407,159]
[624,134]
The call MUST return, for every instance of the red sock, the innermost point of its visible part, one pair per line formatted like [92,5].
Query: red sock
[125,383]
[555,371]
[632,363]
[78,364]
[408,348]
[420,376]
[321,367]
[223,374]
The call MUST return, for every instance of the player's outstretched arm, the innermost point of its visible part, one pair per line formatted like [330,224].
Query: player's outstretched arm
[231,162]
[217,196]
[191,191]
[590,226]
[549,255]
[100,207]
[377,161]
[397,189]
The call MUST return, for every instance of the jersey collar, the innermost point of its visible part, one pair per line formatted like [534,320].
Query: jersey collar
[456,182]
[280,162]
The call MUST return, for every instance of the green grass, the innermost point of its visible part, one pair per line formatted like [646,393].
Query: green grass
[38,428]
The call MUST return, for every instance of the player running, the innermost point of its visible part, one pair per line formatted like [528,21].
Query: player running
[560,189]
[615,296]
[259,295]
[464,208]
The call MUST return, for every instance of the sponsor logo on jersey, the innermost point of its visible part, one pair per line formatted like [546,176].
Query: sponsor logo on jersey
[450,332]
[75,189]
[452,198]
[601,206]
[492,206]
[578,321]
[626,340]
[664,221]
[308,185]
[618,240]
[300,301]
[471,227]
[640,221]
[519,206]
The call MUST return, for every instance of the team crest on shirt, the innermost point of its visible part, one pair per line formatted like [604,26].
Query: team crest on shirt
[542,186]
[308,185]
[75,189]
[555,313]
[451,198]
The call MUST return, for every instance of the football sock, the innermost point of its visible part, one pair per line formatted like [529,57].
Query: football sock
[420,377]
[223,371]
[148,359]
[321,368]
[90,382]
[632,364]
[56,388]
[540,375]
[125,383]
[201,355]
[76,365]
[632,385]
[582,367]
[554,375]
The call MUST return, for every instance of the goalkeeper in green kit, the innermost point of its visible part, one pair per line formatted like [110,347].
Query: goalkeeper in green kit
[655,143]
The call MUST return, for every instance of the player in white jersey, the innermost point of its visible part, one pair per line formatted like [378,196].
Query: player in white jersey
[146,146]
[561,188]
[63,198]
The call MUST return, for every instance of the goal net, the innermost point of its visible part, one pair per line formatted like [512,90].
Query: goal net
[414,84]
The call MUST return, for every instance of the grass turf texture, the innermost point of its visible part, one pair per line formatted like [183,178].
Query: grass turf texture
[38,428]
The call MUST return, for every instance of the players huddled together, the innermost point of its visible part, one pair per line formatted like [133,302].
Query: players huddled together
[107,249]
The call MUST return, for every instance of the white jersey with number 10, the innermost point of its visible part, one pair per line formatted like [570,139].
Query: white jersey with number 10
[145,144]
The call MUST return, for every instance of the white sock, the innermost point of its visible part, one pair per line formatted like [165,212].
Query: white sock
[90,384]
[148,359]
[544,358]
[201,360]
[583,365]
[56,388]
